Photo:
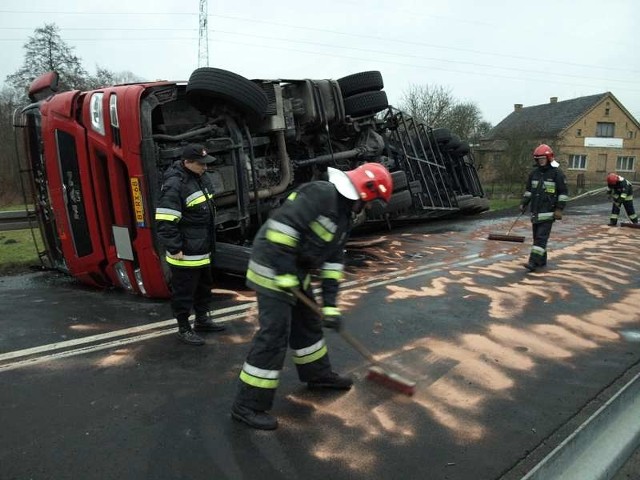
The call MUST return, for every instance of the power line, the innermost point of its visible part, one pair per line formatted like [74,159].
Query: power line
[204,60]
[337,32]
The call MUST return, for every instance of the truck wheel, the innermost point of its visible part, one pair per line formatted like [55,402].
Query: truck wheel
[366,103]
[399,180]
[399,202]
[360,82]
[453,143]
[462,150]
[441,135]
[209,85]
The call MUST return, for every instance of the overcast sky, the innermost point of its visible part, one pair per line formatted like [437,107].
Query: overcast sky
[493,53]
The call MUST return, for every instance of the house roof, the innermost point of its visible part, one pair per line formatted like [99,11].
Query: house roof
[546,120]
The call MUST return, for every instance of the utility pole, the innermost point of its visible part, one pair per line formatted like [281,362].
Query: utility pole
[203,36]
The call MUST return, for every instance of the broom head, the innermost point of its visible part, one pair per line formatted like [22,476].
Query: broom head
[630,225]
[392,381]
[506,238]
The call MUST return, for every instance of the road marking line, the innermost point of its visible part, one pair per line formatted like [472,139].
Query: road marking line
[376,281]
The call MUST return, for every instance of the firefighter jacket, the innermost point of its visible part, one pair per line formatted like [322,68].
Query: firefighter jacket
[185,217]
[307,233]
[545,191]
[621,192]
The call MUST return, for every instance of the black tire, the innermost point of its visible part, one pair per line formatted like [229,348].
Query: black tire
[415,187]
[441,135]
[399,202]
[454,143]
[208,85]
[462,150]
[399,180]
[360,82]
[231,258]
[367,103]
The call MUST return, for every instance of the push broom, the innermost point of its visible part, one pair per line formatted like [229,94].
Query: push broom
[506,237]
[376,372]
[629,224]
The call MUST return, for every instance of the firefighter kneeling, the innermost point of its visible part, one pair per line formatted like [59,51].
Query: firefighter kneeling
[308,232]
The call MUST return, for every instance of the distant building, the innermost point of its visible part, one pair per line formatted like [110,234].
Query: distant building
[590,136]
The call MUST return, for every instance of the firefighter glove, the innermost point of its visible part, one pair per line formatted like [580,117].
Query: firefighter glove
[523,208]
[286,281]
[332,318]
[557,214]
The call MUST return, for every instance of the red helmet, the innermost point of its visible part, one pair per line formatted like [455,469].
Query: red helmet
[543,150]
[372,180]
[612,179]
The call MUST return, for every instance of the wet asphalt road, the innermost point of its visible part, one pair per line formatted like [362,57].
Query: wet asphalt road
[96,386]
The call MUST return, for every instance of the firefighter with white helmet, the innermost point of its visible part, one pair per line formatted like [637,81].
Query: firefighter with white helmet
[621,192]
[307,233]
[546,195]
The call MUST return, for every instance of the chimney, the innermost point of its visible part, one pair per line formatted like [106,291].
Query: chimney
[517,107]
[553,100]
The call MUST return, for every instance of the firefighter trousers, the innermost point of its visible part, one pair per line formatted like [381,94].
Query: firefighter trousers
[541,232]
[190,288]
[281,325]
[628,207]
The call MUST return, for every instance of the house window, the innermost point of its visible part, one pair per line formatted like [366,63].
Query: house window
[605,129]
[579,132]
[625,164]
[577,162]
[630,134]
[606,112]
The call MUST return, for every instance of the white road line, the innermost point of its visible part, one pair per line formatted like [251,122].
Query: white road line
[376,281]
[115,333]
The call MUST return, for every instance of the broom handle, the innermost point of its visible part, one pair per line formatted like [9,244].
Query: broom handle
[514,223]
[359,347]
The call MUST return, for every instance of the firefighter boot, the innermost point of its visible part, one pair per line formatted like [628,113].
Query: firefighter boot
[530,266]
[254,418]
[204,323]
[332,381]
[190,337]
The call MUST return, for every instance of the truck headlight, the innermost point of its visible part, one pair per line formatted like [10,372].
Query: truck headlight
[95,110]
[123,276]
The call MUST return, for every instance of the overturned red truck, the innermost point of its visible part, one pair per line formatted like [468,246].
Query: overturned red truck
[95,162]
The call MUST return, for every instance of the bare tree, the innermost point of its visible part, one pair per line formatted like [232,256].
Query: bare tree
[45,51]
[427,104]
[436,106]
[105,77]
[463,119]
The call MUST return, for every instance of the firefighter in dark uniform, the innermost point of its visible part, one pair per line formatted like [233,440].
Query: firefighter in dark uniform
[546,195]
[621,192]
[307,233]
[185,219]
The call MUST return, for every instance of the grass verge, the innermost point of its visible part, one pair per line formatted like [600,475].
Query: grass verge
[17,252]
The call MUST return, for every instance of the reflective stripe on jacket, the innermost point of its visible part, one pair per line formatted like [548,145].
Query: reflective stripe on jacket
[185,217]
[622,192]
[545,191]
[308,232]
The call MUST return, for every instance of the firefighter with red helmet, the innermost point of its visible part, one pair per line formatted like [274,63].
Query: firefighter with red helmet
[307,233]
[546,195]
[620,190]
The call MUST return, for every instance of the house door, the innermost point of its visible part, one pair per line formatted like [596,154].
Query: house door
[601,165]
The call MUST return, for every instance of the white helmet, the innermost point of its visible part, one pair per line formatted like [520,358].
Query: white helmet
[343,183]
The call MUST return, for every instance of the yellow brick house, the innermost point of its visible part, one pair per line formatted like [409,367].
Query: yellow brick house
[590,136]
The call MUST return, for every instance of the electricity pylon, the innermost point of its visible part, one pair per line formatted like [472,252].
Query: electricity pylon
[203,36]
